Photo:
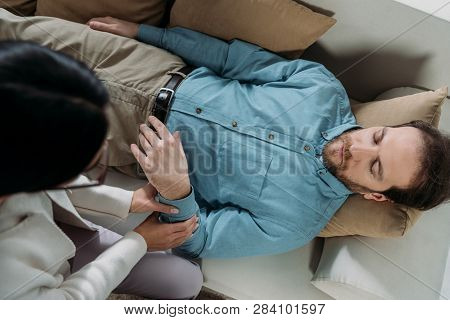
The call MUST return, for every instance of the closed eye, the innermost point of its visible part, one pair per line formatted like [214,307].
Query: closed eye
[372,168]
[377,138]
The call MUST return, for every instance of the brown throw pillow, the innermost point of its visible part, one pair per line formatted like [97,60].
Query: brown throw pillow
[282,26]
[19,7]
[385,220]
[139,11]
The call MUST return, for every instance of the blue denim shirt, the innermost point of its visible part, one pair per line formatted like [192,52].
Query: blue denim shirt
[253,126]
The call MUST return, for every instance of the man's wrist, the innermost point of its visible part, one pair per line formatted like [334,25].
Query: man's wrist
[134,31]
[187,207]
[177,194]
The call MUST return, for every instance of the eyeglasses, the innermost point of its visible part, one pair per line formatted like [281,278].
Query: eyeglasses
[94,175]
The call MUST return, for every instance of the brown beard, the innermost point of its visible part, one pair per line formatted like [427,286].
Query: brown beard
[338,171]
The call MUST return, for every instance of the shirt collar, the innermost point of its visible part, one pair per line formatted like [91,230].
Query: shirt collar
[338,187]
[332,133]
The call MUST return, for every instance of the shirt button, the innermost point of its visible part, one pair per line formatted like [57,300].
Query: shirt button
[325,134]
[198,110]
[271,136]
[306,148]
[234,124]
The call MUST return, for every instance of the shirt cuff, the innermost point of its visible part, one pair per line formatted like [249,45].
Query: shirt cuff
[150,35]
[187,207]
[141,245]
[123,203]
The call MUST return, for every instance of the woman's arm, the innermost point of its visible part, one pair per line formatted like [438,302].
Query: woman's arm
[34,254]
[115,201]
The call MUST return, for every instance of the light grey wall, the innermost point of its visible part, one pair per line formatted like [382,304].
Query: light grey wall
[378,45]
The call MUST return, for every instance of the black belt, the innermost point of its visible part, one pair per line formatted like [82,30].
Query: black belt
[161,107]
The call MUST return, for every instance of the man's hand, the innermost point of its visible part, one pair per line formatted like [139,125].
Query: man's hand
[164,161]
[115,26]
[163,236]
[144,201]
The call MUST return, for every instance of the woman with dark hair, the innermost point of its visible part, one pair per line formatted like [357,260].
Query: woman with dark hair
[53,127]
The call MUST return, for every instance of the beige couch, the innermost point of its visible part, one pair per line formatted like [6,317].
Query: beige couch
[375,46]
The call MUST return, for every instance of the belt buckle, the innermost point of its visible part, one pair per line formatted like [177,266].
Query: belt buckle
[170,93]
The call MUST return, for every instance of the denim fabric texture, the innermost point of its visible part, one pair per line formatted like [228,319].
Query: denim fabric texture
[253,127]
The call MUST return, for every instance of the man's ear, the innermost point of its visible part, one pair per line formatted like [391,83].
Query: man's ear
[375,196]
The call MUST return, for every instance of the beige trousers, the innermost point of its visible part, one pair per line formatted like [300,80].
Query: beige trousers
[132,72]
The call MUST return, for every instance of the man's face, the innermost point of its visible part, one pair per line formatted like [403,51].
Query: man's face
[376,158]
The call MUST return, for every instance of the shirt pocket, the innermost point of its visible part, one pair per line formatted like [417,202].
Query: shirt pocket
[242,170]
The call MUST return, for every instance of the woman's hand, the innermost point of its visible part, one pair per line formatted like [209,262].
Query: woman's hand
[164,161]
[163,236]
[115,26]
[144,201]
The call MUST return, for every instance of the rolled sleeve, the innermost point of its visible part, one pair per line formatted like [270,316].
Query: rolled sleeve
[187,207]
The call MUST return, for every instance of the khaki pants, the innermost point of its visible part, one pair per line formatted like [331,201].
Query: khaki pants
[132,72]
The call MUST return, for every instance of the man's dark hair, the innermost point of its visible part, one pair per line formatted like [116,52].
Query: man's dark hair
[431,186]
[52,121]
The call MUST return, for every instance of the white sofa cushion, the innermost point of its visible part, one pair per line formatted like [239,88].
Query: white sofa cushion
[416,266]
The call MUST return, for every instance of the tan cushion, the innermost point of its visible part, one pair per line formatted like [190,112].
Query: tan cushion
[139,11]
[282,26]
[385,220]
[19,7]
